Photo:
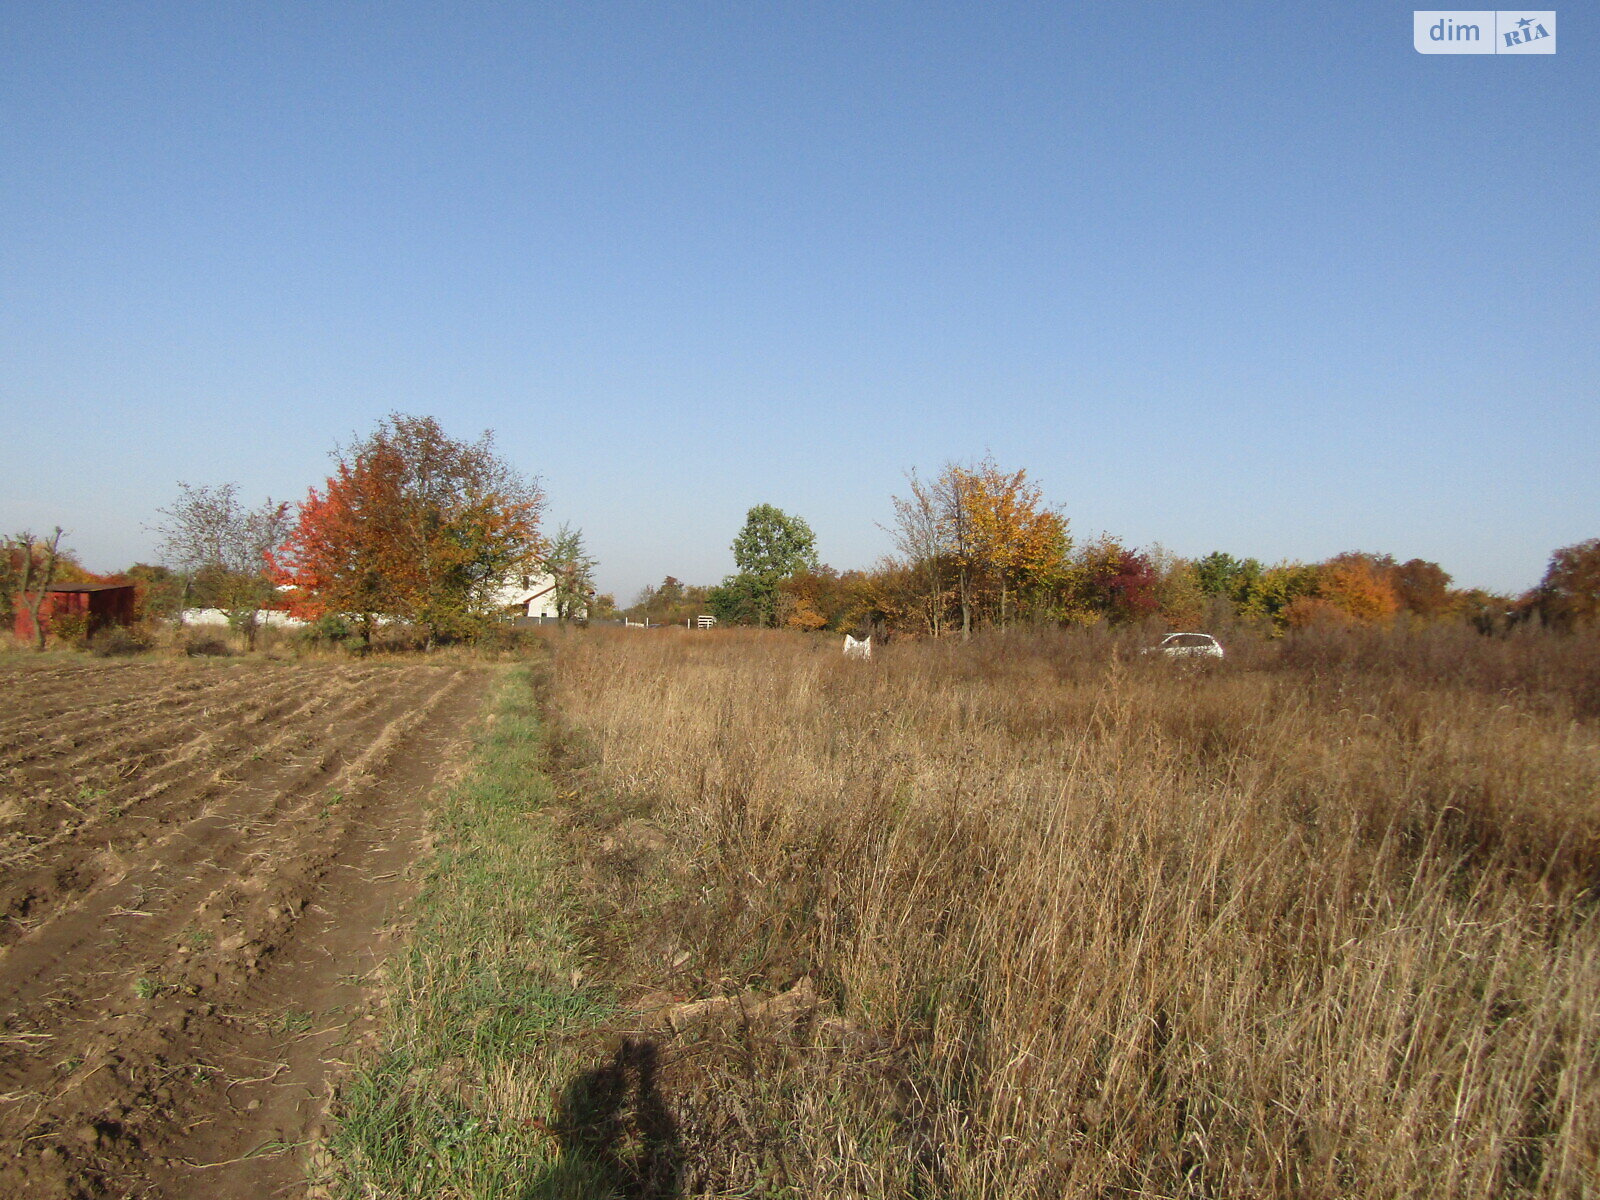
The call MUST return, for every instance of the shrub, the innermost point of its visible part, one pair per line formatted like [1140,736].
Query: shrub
[502,637]
[70,629]
[206,645]
[330,627]
[119,641]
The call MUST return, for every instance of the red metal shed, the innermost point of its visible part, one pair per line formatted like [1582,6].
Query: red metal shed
[103,603]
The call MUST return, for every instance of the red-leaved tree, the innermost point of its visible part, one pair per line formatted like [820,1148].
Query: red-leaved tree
[415,526]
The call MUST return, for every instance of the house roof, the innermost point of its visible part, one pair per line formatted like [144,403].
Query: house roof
[89,587]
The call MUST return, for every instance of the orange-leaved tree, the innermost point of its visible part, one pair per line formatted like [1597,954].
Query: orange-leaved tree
[414,526]
[1016,539]
[1359,584]
[824,599]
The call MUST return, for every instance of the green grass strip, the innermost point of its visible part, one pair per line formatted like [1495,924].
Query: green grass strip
[487,1006]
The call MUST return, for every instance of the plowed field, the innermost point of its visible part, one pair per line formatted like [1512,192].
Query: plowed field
[199,862]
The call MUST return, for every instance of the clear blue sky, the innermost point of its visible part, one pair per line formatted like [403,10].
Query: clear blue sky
[1254,277]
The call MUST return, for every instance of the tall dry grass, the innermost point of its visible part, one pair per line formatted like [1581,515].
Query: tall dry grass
[1317,922]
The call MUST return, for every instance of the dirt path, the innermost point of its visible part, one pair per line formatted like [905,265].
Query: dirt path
[198,863]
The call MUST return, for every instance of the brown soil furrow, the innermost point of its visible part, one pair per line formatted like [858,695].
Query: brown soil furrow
[322,975]
[29,730]
[72,741]
[259,913]
[224,793]
[115,1044]
[26,680]
[237,743]
[235,829]
[133,690]
[125,815]
[252,911]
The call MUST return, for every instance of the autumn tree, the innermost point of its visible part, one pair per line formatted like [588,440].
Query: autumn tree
[11,559]
[1569,594]
[207,529]
[1487,612]
[822,599]
[1116,582]
[800,602]
[1359,584]
[770,547]
[655,600]
[1015,538]
[330,559]
[893,594]
[1267,595]
[670,602]
[979,537]
[1422,588]
[415,526]
[1180,599]
[952,496]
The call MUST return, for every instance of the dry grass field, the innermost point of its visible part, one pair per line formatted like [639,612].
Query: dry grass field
[1042,917]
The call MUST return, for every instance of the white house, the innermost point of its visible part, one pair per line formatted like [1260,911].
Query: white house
[216,616]
[531,596]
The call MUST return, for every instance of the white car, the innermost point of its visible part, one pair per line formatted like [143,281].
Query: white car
[1188,645]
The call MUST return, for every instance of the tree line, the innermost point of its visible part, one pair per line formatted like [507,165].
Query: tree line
[976,546]
[417,528]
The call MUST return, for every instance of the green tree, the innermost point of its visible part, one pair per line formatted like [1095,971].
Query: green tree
[1221,574]
[159,588]
[573,568]
[771,547]
[738,600]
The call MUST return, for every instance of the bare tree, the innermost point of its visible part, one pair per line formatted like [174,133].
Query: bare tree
[952,493]
[208,528]
[918,535]
[934,528]
[35,577]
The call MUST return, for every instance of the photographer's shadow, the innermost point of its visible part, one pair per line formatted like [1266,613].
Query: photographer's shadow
[616,1136]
